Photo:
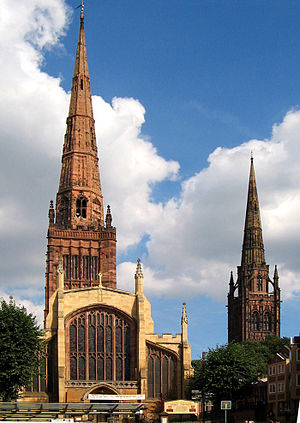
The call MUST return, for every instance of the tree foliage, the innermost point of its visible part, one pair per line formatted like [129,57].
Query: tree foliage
[20,343]
[229,370]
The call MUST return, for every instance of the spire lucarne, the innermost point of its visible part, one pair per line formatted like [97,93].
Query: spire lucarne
[254,313]
[78,230]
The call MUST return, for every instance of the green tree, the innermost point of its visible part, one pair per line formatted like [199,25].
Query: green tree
[229,371]
[20,343]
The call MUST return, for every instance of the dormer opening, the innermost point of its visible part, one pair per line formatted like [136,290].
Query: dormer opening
[81,84]
[81,206]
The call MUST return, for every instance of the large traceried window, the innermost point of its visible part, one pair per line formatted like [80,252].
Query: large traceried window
[162,369]
[101,343]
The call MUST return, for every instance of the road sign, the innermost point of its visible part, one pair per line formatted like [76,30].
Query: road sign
[225,405]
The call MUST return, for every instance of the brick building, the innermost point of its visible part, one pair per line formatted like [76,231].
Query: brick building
[100,339]
[253,299]
[278,383]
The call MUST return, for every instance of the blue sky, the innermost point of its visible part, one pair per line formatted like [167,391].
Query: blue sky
[198,85]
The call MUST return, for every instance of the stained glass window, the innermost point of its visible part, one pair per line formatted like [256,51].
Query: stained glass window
[66,264]
[119,369]
[92,368]
[91,338]
[100,369]
[109,369]
[75,267]
[119,345]
[100,346]
[86,263]
[165,376]
[150,378]
[161,373]
[108,339]
[95,268]
[157,364]
[81,339]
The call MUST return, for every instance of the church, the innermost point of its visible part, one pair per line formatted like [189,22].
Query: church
[100,339]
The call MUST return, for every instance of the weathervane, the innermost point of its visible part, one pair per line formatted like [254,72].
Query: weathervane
[81,5]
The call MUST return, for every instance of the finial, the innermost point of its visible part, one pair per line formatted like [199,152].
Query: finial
[276,273]
[251,156]
[51,212]
[108,219]
[184,318]
[139,272]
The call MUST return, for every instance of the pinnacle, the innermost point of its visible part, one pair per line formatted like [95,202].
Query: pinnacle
[139,272]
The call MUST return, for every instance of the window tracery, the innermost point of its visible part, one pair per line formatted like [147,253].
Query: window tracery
[161,373]
[100,346]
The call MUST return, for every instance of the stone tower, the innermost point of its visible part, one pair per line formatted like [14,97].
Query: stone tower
[77,230]
[254,299]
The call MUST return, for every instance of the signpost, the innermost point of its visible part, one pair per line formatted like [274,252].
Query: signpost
[225,405]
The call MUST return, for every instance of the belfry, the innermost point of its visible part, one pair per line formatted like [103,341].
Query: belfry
[100,339]
[254,299]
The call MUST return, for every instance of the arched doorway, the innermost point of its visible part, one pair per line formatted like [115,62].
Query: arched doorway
[102,390]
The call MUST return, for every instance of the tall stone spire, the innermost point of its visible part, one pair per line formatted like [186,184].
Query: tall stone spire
[253,247]
[254,300]
[79,198]
[78,237]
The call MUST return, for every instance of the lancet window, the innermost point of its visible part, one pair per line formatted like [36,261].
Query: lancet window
[162,370]
[259,283]
[80,267]
[101,344]
[267,322]
[255,321]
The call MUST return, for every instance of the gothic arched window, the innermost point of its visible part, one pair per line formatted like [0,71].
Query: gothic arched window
[81,205]
[101,346]
[267,322]
[161,373]
[259,283]
[255,321]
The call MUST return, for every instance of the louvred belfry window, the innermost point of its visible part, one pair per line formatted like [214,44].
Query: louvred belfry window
[162,370]
[101,346]
[81,204]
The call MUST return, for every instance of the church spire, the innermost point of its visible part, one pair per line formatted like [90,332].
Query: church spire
[79,198]
[254,300]
[253,247]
